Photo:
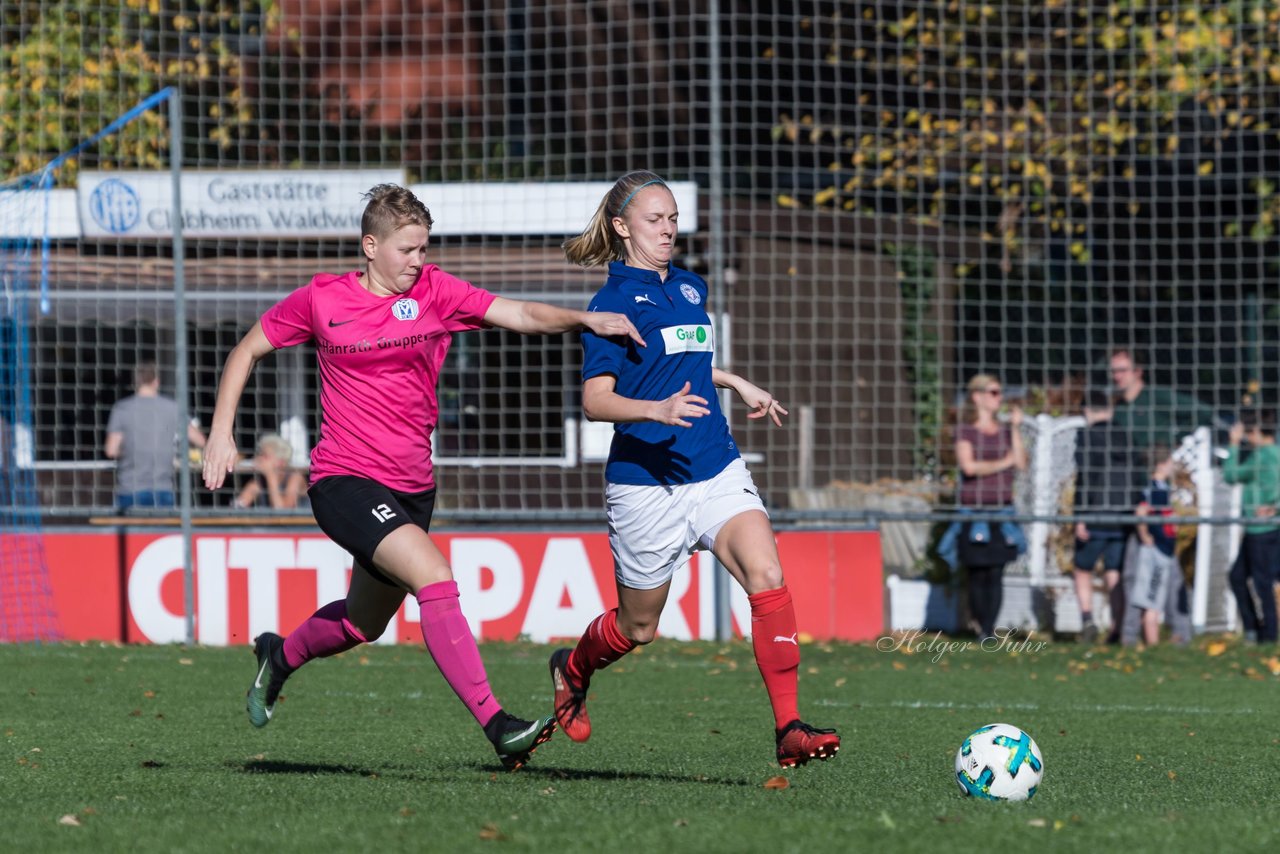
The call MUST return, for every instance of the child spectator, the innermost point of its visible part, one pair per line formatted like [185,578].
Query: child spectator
[1259,472]
[1158,588]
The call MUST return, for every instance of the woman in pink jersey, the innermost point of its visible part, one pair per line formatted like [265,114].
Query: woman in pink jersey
[381,335]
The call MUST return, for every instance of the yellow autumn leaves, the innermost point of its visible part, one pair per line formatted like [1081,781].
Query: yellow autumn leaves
[954,106]
[80,64]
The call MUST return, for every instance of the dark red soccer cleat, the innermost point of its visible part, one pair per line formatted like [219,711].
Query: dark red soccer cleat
[570,699]
[798,743]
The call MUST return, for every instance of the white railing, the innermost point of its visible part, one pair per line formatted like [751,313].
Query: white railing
[1051,468]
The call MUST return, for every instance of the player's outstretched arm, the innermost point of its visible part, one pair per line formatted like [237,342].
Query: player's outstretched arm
[760,401]
[220,451]
[601,402]
[540,318]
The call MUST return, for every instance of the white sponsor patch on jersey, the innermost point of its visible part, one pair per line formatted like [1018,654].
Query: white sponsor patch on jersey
[695,338]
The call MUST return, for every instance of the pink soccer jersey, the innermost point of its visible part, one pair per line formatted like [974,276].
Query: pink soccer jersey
[380,359]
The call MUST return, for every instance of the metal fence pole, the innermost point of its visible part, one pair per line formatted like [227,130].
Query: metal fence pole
[716,264]
[182,384]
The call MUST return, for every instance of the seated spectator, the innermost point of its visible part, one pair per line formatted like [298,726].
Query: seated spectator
[275,484]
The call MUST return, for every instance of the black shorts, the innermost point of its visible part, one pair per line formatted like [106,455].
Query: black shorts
[1110,549]
[357,513]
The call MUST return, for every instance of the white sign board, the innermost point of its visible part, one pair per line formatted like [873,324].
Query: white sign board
[37,214]
[551,208]
[272,204]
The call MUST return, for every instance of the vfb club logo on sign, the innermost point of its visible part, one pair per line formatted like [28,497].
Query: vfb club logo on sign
[115,206]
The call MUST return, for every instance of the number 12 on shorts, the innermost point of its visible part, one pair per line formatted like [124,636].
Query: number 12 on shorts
[382,512]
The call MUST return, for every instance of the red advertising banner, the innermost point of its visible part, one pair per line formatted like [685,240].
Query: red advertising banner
[128,584]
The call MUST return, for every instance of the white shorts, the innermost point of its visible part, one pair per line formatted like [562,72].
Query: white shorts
[654,530]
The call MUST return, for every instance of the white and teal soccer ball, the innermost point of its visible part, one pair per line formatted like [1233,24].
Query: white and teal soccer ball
[999,762]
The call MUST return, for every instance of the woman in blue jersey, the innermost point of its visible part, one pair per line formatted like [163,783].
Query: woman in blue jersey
[675,480]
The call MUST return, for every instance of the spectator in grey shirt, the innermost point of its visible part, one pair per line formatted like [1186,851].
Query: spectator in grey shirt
[142,437]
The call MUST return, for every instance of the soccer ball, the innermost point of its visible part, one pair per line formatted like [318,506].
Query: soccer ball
[999,762]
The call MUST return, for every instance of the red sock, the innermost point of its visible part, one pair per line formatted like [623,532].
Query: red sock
[776,645]
[600,645]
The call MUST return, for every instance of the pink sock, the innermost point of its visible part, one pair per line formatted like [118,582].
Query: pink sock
[451,644]
[326,632]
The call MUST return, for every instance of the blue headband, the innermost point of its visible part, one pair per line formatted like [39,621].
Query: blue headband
[638,189]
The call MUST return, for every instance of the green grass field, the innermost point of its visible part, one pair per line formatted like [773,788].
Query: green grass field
[148,748]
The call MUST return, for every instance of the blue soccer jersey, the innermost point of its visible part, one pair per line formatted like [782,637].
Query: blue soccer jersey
[672,319]
[1158,497]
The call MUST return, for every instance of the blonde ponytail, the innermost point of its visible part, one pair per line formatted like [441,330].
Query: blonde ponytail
[599,243]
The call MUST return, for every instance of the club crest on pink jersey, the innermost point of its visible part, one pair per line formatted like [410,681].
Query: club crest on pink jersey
[405,309]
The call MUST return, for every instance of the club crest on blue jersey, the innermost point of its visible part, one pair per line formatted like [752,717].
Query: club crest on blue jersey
[690,293]
[405,309]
